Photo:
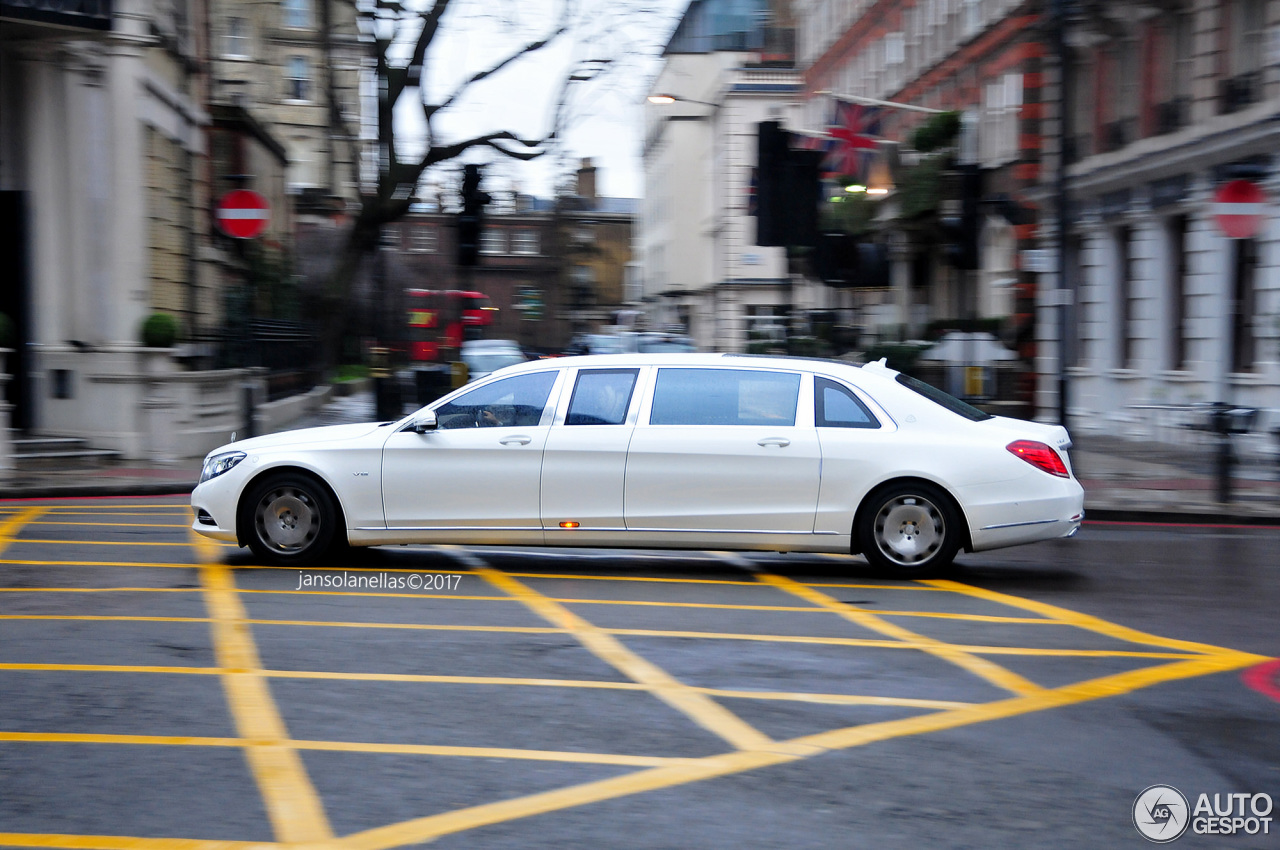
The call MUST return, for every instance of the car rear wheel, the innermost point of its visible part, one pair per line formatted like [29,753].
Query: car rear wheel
[909,529]
[290,520]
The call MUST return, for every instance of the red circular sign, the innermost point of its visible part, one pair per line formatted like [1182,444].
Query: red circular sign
[243,214]
[1239,207]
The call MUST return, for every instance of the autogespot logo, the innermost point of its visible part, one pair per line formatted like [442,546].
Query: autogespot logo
[1160,813]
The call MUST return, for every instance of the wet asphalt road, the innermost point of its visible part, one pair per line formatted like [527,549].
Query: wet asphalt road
[158,691]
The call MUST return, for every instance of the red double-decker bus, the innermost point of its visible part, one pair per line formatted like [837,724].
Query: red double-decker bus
[439,321]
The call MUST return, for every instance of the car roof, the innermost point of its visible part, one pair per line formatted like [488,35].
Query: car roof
[837,368]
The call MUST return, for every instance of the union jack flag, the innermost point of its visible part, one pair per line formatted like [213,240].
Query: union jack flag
[854,128]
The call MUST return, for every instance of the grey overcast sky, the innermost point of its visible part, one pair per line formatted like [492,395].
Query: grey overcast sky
[605,115]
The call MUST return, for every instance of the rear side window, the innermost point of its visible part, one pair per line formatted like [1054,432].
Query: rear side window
[724,397]
[937,396]
[838,407]
[601,397]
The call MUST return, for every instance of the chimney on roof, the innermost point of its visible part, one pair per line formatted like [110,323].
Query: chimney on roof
[587,183]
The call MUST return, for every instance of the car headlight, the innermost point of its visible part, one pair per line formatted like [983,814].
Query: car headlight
[218,464]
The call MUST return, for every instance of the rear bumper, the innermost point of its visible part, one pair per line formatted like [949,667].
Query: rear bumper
[1056,511]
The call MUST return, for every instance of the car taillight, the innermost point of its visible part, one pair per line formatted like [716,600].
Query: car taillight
[1039,455]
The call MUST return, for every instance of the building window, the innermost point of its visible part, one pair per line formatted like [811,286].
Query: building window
[1244,305]
[493,241]
[297,13]
[524,241]
[1002,108]
[1176,265]
[1248,36]
[972,18]
[297,79]
[235,42]
[424,239]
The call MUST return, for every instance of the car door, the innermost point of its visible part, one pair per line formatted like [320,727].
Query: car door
[585,461]
[724,450]
[481,467]
[857,440]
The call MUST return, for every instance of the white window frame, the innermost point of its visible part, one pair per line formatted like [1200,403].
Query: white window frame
[525,241]
[423,239]
[296,14]
[297,86]
[237,35]
[493,240]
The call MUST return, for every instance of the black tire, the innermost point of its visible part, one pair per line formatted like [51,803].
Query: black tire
[909,529]
[289,519]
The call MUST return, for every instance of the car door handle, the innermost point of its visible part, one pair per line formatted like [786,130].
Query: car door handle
[516,440]
[780,442]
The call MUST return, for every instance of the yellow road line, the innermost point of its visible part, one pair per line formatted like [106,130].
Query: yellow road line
[115,510]
[504,681]
[176,526]
[101,589]
[427,627]
[835,699]
[291,801]
[105,617]
[492,752]
[887,643]
[217,543]
[623,759]
[700,708]
[981,667]
[122,842]
[133,564]
[141,740]
[633,578]
[111,668]
[10,528]
[1074,618]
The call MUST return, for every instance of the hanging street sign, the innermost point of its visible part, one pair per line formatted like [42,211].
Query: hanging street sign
[243,214]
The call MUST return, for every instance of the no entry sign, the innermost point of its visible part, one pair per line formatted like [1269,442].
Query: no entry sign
[243,214]
[1239,207]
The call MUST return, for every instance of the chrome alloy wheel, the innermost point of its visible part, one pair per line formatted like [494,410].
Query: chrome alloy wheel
[909,530]
[287,519]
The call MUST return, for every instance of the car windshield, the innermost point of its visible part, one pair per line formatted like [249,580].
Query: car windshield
[491,361]
[937,396]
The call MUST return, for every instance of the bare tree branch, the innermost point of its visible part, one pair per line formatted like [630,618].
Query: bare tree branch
[533,47]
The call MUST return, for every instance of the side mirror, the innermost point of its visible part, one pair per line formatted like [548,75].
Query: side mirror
[424,423]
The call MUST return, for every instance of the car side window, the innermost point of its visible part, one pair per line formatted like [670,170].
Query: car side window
[837,407]
[725,397]
[515,401]
[601,397]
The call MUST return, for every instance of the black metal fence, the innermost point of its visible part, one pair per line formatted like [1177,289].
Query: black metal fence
[289,351]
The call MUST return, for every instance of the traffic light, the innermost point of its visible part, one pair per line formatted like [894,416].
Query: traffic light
[471,219]
[961,222]
[788,189]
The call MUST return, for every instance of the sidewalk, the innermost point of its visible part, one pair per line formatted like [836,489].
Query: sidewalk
[1123,479]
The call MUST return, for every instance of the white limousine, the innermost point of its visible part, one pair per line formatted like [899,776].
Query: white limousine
[658,450]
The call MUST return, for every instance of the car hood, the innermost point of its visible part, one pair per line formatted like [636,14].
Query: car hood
[1053,435]
[302,436]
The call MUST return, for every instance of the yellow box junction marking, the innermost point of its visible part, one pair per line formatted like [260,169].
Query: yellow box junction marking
[297,814]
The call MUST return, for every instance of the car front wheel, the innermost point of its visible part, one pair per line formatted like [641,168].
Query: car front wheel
[290,520]
[909,529]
